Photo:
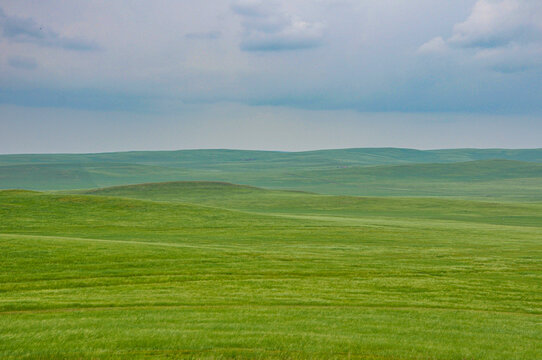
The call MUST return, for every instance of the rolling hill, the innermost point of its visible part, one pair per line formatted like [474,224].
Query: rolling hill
[252,199]
[357,172]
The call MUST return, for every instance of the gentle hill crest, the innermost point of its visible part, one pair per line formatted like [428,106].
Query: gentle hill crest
[67,214]
[180,185]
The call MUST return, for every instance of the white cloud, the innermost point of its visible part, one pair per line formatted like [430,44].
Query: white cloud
[493,24]
[504,34]
[435,45]
[266,27]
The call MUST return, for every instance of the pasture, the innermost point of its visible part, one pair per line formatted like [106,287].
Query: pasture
[202,270]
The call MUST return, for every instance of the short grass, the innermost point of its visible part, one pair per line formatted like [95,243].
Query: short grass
[199,275]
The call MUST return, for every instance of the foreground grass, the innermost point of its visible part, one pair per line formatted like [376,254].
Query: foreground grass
[113,278]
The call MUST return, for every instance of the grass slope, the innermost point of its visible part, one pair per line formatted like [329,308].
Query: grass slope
[112,278]
[252,199]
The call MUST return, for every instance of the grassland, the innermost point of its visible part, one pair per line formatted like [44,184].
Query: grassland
[212,270]
[355,253]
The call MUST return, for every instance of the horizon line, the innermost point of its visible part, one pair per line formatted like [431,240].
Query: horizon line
[259,150]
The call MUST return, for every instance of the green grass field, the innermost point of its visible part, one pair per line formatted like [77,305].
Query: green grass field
[451,268]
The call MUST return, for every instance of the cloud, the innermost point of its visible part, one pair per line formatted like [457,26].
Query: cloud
[251,8]
[26,30]
[494,24]
[361,56]
[436,45]
[21,62]
[267,28]
[502,34]
[209,35]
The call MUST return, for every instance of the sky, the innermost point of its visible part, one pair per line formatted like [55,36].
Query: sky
[117,75]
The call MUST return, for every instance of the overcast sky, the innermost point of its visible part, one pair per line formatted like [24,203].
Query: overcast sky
[90,76]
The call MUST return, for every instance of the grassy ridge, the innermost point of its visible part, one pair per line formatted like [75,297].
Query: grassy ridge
[242,158]
[104,277]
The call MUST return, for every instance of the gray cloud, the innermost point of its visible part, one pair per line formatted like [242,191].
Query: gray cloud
[21,62]
[251,8]
[267,28]
[26,30]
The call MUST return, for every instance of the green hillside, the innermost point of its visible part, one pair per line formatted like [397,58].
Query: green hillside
[300,276]
[252,199]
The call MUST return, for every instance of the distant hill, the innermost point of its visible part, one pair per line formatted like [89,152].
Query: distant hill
[206,158]
[480,179]
[384,156]
[62,176]
[466,171]
[491,173]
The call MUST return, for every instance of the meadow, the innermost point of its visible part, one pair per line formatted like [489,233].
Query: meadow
[215,270]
